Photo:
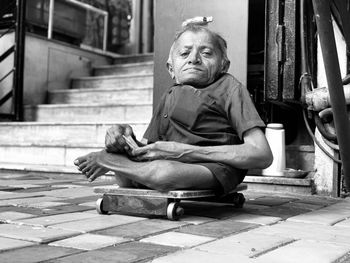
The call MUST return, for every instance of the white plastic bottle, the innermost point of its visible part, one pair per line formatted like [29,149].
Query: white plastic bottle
[275,136]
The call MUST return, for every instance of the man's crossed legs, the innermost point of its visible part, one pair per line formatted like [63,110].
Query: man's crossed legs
[162,175]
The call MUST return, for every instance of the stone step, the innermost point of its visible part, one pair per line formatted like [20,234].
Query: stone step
[62,134]
[76,96]
[122,112]
[64,172]
[44,154]
[136,58]
[124,69]
[22,168]
[135,81]
[282,185]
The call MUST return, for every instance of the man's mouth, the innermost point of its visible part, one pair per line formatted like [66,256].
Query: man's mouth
[193,69]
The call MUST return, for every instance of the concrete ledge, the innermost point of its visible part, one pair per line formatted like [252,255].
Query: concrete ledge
[280,185]
[277,180]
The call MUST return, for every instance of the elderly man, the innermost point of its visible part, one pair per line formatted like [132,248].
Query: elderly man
[204,134]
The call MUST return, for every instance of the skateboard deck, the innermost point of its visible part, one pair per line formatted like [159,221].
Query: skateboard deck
[154,203]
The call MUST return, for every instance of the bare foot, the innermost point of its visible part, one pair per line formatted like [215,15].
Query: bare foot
[88,165]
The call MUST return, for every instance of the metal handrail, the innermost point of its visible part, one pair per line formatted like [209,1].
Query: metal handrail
[85,6]
[14,21]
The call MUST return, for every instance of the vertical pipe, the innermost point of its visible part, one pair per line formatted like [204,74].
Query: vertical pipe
[50,23]
[19,59]
[334,81]
[140,48]
[105,32]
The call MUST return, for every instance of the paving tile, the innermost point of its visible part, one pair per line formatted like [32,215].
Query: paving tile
[218,228]
[123,253]
[256,219]
[89,242]
[4,196]
[212,210]
[344,223]
[10,175]
[25,181]
[142,228]
[36,190]
[89,204]
[339,206]
[28,202]
[70,186]
[35,234]
[270,200]
[80,200]
[8,188]
[177,239]
[9,243]
[68,193]
[252,207]
[193,255]
[195,220]
[306,251]
[35,254]
[306,205]
[42,205]
[97,223]
[248,244]
[283,211]
[55,219]
[325,216]
[318,200]
[26,186]
[12,215]
[299,230]
[71,208]
[91,211]
[28,210]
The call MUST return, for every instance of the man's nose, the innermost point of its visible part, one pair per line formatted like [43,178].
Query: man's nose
[194,58]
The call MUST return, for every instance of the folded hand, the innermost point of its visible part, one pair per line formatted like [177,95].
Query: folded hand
[115,141]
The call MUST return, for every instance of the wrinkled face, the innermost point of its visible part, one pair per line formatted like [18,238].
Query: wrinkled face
[195,60]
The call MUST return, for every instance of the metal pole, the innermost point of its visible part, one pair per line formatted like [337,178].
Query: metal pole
[105,32]
[334,81]
[19,59]
[50,23]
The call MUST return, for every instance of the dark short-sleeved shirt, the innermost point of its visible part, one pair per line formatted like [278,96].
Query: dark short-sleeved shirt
[218,114]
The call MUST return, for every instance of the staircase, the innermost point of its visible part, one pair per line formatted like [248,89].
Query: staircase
[75,120]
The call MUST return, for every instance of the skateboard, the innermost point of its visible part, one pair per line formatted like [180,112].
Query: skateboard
[149,202]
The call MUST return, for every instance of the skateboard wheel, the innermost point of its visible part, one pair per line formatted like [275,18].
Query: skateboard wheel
[174,211]
[99,207]
[238,200]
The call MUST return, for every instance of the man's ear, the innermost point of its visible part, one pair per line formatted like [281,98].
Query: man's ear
[170,70]
[225,66]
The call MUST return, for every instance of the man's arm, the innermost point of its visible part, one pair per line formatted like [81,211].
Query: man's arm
[254,153]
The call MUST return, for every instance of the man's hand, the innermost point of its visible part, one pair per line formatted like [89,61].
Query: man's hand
[115,141]
[162,150]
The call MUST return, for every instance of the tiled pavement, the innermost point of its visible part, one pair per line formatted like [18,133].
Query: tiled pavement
[52,218]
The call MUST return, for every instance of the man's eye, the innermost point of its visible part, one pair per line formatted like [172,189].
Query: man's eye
[184,54]
[207,53]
